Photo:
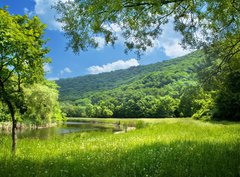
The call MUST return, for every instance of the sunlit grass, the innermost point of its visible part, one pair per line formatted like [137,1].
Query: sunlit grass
[167,147]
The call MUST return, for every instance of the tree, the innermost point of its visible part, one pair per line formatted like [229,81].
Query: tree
[167,106]
[22,56]
[188,102]
[148,105]
[196,103]
[107,113]
[228,100]
[42,105]
[90,110]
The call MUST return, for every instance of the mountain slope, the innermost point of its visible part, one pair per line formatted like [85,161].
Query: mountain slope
[156,75]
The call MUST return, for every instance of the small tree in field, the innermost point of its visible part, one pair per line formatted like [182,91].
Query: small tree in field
[22,56]
[42,105]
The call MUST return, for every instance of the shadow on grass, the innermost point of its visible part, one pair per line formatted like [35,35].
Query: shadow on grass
[223,122]
[177,159]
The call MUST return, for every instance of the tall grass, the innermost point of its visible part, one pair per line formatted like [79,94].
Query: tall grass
[170,147]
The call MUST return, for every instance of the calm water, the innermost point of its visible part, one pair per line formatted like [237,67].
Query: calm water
[68,127]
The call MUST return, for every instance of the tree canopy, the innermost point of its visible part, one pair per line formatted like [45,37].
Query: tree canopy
[202,22]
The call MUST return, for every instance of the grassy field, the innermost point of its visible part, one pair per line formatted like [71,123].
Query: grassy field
[165,147]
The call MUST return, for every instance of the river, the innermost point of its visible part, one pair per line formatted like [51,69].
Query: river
[67,127]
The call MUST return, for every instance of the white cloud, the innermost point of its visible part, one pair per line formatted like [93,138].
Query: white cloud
[47,68]
[169,41]
[115,27]
[120,64]
[100,41]
[53,78]
[174,49]
[28,12]
[65,70]
[43,8]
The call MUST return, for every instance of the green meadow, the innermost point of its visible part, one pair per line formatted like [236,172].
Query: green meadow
[162,147]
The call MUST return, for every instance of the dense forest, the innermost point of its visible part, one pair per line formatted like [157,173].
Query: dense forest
[165,89]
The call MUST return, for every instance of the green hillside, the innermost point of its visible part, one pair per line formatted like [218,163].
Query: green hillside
[164,89]
[149,75]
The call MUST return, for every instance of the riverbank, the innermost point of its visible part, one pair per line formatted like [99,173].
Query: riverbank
[7,126]
[169,147]
[124,122]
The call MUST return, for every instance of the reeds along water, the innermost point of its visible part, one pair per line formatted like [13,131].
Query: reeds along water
[5,127]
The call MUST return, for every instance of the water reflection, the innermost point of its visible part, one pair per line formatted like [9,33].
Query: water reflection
[68,127]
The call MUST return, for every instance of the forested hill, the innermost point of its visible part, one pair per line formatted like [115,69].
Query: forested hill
[153,76]
[164,89]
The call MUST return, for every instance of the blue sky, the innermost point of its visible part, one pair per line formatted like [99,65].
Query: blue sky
[104,58]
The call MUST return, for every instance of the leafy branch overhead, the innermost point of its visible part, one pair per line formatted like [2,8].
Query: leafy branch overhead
[202,23]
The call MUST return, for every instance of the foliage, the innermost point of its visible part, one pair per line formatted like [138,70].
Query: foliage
[193,99]
[42,104]
[193,148]
[207,107]
[202,23]
[4,113]
[73,111]
[205,24]
[154,90]
[22,54]
[228,100]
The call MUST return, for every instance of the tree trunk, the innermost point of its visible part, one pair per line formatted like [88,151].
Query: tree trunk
[14,134]
[12,112]
[14,126]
